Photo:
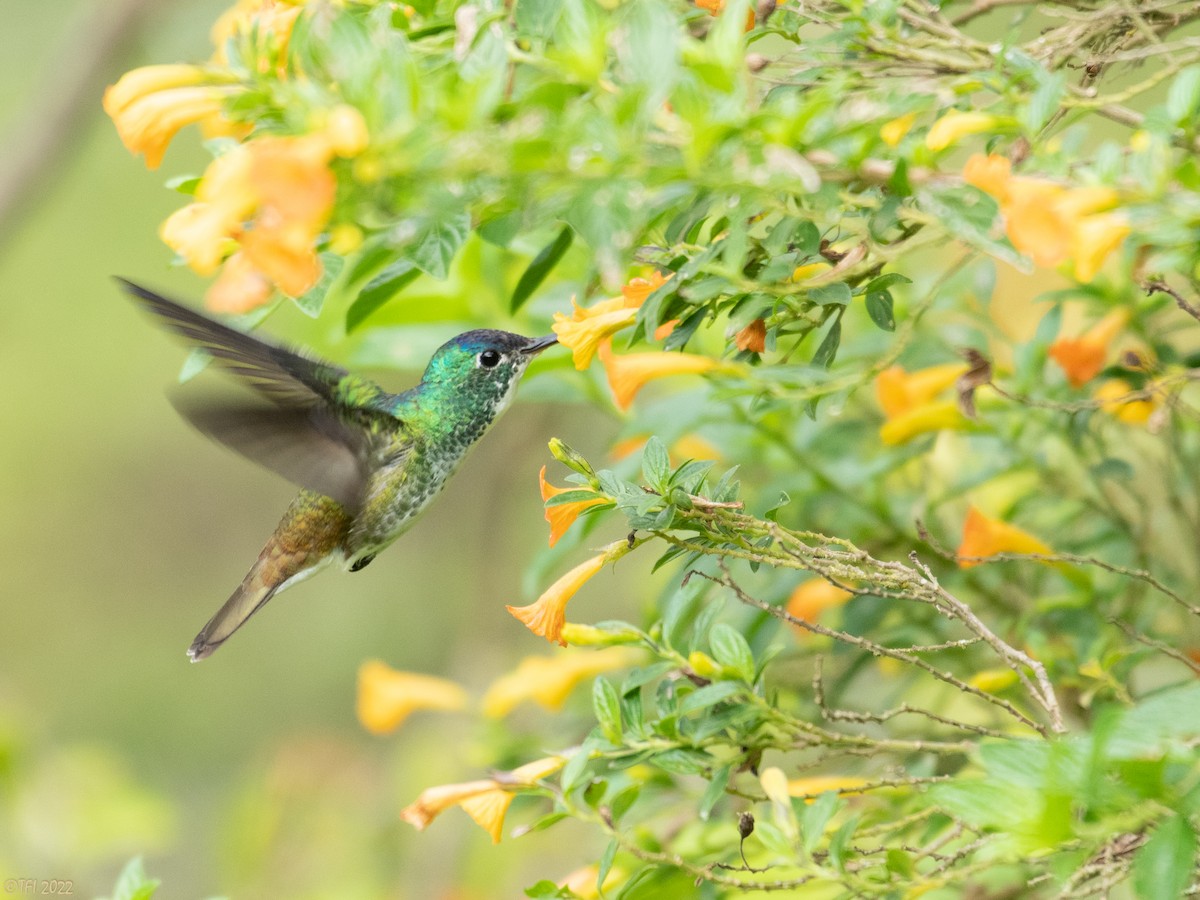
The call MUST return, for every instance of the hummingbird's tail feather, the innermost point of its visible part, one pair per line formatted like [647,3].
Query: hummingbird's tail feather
[251,595]
[309,537]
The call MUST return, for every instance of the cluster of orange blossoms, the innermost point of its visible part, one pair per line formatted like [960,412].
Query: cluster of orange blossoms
[916,403]
[1049,223]
[386,697]
[259,207]
[588,332]
[1082,358]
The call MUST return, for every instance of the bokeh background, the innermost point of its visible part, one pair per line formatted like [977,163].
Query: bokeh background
[122,531]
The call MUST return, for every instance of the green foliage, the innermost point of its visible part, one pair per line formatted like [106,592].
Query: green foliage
[830,699]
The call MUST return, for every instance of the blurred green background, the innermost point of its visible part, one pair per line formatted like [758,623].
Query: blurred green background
[123,531]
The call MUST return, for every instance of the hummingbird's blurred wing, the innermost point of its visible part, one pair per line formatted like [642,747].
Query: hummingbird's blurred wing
[310,447]
[283,376]
[304,433]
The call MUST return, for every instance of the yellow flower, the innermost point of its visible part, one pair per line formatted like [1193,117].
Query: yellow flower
[812,787]
[990,173]
[1111,395]
[900,392]
[546,616]
[628,374]
[346,131]
[239,288]
[1094,238]
[690,446]
[753,337]
[149,106]
[893,132]
[984,537]
[909,405]
[992,681]
[549,680]
[582,882]
[956,125]
[563,515]
[583,331]
[1082,358]
[813,597]
[270,21]
[387,697]
[638,289]
[485,800]
[1049,223]
[203,232]
[810,270]
[943,415]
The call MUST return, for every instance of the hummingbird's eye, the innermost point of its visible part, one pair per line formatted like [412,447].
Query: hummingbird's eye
[489,359]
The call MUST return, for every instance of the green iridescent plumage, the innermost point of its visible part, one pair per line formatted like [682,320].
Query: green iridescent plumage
[369,462]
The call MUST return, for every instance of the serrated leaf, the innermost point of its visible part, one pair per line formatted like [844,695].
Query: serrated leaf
[607,706]
[656,464]
[879,308]
[541,266]
[730,649]
[438,245]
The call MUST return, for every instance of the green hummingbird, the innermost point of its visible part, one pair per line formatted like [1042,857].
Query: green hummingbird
[368,462]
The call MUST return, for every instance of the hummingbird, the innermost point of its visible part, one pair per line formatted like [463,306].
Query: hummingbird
[368,462]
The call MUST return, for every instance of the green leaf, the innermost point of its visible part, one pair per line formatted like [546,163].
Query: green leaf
[1184,96]
[541,266]
[714,792]
[1044,102]
[133,883]
[311,301]
[382,288]
[879,308]
[548,890]
[827,351]
[837,294]
[656,464]
[730,649]
[709,695]
[1172,714]
[816,816]
[606,861]
[438,245]
[885,281]
[1163,868]
[607,706]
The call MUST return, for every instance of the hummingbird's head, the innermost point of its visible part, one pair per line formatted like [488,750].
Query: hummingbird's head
[480,369]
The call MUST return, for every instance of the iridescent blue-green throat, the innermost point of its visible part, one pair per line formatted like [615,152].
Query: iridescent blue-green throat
[368,462]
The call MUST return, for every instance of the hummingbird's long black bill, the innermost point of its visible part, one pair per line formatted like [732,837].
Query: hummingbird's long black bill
[537,345]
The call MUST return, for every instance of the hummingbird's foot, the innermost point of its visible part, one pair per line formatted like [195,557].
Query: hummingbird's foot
[362,562]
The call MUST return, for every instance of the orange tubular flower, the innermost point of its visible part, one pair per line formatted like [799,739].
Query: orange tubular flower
[270,20]
[563,515]
[753,337]
[1082,358]
[984,537]
[149,105]
[638,289]
[485,800]
[628,374]
[547,615]
[583,331]
[813,597]
[387,697]
[1049,223]
[907,400]
[549,680]
[239,288]
[716,7]
[900,392]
